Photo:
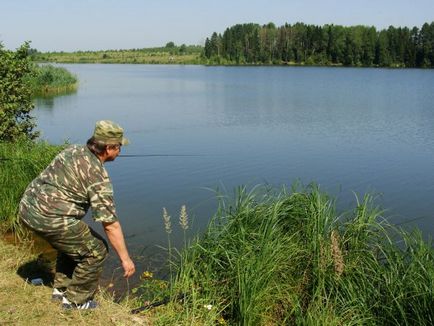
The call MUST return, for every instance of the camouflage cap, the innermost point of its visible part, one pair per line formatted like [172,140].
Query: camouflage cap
[109,132]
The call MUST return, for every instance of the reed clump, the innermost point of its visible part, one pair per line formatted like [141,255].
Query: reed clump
[48,80]
[20,163]
[288,258]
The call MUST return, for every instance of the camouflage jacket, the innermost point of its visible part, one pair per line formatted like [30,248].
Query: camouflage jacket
[62,194]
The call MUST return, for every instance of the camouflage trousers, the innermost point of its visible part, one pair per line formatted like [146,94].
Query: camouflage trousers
[80,256]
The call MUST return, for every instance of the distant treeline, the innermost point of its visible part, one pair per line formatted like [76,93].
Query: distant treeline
[326,45]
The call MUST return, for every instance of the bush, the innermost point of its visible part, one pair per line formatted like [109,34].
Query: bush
[15,95]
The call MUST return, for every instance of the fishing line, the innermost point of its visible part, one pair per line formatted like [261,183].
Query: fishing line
[157,155]
[411,220]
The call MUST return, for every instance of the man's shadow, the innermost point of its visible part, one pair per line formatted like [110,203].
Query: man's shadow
[41,267]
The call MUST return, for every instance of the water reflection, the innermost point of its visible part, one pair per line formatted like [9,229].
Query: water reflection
[49,101]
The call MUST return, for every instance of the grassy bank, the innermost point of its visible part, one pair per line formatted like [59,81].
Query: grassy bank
[20,163]
[290,259]
[48,80]
[25,304]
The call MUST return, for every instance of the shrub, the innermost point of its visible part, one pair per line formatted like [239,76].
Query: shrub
[15,95]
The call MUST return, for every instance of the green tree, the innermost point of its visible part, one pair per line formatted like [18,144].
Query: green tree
[369,38]
[15,95]
[183,49]
[285,43]
[382,54]
[335,43]
[426,46]
[329,44]
[215,44]
[207,48]
[411,51]
[170,45]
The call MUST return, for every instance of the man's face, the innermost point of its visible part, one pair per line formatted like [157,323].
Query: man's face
[113,152]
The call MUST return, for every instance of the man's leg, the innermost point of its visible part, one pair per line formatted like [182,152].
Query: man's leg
[64,269]
[87,250]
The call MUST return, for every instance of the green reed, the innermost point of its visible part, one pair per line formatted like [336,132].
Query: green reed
[276,258]
[49,80]
[20,163]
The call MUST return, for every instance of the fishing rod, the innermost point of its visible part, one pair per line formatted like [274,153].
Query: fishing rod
[165,300]
[122,155]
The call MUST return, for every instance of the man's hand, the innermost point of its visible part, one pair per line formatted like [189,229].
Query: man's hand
[116,238]
[128,267]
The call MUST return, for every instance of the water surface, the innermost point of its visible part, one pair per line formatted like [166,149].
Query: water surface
[351,130]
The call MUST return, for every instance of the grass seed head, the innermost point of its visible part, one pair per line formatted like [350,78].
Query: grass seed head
[183,218]
[167,223]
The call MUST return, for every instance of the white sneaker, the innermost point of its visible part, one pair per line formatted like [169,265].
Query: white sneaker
[57,294]
[89,304]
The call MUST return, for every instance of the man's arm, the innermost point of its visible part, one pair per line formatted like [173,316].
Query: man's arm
[114,233]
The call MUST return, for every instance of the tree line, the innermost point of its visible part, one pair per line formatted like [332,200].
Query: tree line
[323,45]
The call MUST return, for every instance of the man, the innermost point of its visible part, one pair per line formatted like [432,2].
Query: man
[56,201]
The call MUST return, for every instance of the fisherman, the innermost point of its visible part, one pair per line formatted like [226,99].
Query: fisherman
[55,202]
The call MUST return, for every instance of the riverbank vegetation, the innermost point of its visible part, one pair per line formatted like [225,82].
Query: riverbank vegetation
[22,158]
[20,162]
[169,54]
[291,259]
[323,45]
[48,80]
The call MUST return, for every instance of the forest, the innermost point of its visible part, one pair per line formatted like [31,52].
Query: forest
[323,45]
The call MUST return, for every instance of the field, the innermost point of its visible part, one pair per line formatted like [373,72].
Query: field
[161,55]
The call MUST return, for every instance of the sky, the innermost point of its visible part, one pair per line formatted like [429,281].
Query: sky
[72,25]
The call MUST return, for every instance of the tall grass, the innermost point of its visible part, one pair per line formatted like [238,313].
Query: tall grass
[20,163]
[49,80]
[290,258]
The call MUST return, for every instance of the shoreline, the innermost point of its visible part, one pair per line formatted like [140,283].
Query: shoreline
[205,64]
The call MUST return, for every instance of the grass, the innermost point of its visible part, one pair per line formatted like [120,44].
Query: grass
[48,80]
[272,258]
[25,304]
[20,163]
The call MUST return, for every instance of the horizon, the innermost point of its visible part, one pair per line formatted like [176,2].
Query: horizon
[97,25]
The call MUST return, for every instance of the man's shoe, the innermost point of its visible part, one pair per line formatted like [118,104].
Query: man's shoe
[57,294]
[68,305]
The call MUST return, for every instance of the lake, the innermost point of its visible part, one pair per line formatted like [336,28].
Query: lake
[351,130]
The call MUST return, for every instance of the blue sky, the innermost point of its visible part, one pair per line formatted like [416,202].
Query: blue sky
[70,25]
